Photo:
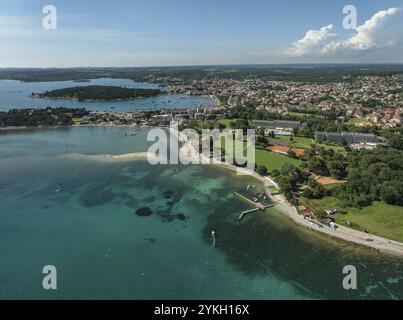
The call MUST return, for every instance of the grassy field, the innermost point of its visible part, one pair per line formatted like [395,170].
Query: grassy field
[358,121]
[299,142]
[225,122]
[338,149]
[273,161]
[379,219]
[303,116]
[305,143]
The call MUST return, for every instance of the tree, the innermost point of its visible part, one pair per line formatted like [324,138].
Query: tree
[318,166]
[337,169]
[261,140]
[220,126]
[391,193]
[292,154]
[372,175]
[396,142]
[261,170]
[241,124]
[308,193]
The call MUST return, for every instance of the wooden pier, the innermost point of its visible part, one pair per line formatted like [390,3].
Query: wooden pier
[245,198]
[258,206]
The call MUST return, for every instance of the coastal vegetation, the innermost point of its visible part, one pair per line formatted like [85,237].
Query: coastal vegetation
[98,93]
[40,117]
[379,218]
[370,175]
[370,197]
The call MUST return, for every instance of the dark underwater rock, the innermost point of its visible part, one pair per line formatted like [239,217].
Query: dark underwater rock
[152,240]
[168,194]
[144,212]
[173,217]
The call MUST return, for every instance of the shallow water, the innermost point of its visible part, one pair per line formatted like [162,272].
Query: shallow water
[102,249]
[16,94]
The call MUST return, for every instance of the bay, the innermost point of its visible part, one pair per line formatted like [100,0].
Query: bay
[16,94]
[102,249]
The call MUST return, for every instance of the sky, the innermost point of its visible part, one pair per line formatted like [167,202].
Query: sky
[132,33]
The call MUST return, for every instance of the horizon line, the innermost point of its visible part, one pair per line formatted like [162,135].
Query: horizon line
[221,65]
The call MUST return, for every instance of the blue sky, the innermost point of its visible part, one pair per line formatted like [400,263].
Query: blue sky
[194,32]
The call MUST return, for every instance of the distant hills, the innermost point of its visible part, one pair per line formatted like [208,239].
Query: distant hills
[281,72]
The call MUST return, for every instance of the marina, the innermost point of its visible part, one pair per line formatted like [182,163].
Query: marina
[17,93]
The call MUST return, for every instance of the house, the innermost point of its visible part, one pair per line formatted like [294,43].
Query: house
[277,124]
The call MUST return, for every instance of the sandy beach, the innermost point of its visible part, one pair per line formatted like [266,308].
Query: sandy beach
[110,157]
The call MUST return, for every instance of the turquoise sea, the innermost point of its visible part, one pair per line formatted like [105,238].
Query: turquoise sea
[102,249]
[16,94]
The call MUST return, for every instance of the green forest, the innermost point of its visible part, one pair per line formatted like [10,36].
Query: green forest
[99,93]
[371,175]
[40,117]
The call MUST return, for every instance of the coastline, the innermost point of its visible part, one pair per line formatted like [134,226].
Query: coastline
[111,157]
[17,128]
[91,100]
[380,244]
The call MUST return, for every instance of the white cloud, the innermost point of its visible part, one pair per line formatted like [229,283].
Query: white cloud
[380,35]
[313,40]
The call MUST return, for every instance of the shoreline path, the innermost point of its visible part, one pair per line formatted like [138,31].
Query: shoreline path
[380,244]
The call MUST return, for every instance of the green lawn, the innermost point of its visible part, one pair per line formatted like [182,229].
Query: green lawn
[305,143]
[270,160]
[299,142]
[338,149]
[273,161]
[356,121]
[225,122]
[379,219]
[304,116]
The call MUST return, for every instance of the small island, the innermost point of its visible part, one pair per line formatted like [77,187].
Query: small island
[98,93]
